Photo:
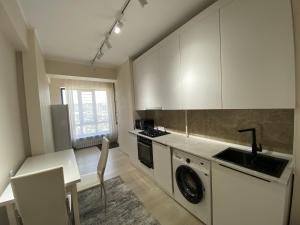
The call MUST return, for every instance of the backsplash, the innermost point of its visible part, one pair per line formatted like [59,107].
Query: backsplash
[275,127]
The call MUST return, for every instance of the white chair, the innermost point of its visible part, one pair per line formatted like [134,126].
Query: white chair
[41,197]
[102,165]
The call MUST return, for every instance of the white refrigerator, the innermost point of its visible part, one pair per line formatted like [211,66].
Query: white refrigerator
[61,127]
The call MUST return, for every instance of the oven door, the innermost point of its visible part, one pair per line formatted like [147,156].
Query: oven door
[145,154]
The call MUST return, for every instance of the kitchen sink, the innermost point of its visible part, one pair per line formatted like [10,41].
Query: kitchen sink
[262,163]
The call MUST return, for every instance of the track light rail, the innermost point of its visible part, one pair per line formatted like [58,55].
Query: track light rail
[118,23]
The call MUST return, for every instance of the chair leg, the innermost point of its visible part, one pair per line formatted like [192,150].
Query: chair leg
[101,191]
[105,200]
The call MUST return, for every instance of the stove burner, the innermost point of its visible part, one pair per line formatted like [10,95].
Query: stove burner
[153,133]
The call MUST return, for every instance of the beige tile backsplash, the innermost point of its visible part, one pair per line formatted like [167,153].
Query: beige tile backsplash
[275,127]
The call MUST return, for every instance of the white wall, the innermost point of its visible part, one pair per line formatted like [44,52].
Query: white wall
[80,70]
[37,98]
[125,104]
[295,216]
[12,23]
[54,87]
[12,151]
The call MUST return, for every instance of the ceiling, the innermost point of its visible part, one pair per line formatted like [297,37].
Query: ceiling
[71,30]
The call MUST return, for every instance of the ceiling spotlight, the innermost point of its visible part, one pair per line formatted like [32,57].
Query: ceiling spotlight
[107,42]
[100,54]
[118,26]
[143,2]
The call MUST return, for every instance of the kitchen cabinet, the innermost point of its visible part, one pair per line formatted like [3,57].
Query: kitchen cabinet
[169,68]
[200,62]
[162,166]
[133,149]
[258,68]
[239,198]
[139,83]
[236,54]
[147,79]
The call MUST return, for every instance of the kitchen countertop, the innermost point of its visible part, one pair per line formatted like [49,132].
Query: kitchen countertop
[207,148]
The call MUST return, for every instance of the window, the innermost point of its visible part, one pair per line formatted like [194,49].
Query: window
[90,113]
[63,96]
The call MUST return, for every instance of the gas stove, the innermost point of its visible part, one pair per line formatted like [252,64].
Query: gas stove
[153,133]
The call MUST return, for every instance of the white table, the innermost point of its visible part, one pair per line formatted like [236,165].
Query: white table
[66,159]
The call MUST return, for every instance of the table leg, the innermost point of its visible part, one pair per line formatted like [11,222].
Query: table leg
[75,204]
[12,217]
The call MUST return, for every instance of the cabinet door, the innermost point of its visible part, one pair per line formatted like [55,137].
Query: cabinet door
[162,166]
[169,68]
[257,54]
[133,150]
[152,87]
[147,81]
[139,83]
[200,62]
[241,199]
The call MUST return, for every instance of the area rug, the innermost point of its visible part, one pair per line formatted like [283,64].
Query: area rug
[123,207]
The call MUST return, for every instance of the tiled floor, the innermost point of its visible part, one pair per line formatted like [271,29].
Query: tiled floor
[159,204]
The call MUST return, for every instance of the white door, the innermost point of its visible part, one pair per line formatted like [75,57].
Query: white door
[200,62]
[257,54]
[169,68]
[162,166]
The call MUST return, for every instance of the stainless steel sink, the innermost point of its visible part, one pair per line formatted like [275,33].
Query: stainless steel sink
[262,163]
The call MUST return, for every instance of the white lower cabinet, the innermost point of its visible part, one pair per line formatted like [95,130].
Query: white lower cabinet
[133,149]
[241,199]
[162,166]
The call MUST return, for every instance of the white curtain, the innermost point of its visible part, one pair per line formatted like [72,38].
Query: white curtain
[91,109]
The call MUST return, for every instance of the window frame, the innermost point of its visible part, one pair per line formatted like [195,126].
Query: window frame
[95,121]
[62,90]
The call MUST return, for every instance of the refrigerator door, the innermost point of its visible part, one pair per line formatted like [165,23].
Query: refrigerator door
[61,128]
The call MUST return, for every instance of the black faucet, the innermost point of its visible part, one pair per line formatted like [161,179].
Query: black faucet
[255,148]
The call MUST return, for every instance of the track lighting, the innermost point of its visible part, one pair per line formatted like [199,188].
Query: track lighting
[115,27]
[143,2]
[118,26]
[107,43]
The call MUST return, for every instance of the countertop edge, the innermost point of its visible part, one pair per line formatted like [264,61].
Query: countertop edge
[284,179]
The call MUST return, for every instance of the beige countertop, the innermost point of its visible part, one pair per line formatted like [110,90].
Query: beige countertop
[207,148]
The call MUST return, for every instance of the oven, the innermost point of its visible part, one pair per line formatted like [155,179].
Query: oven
[145,152]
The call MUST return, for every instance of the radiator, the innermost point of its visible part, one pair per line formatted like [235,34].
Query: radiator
[87,142]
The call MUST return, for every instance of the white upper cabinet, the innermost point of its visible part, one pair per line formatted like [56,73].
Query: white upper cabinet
[237,54]
[258,68]
[139,83]
[169,69]
[147,81]
[200,62]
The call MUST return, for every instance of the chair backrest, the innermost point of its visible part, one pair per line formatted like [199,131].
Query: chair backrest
[41,197]
[103,158]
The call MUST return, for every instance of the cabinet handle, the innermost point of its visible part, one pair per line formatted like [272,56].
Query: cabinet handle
[245,173]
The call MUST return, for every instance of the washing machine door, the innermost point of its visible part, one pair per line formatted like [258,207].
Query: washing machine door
[189,184]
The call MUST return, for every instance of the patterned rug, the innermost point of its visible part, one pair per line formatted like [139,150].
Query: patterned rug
[123,207]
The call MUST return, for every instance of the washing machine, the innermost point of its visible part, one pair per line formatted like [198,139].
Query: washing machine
[192,184]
